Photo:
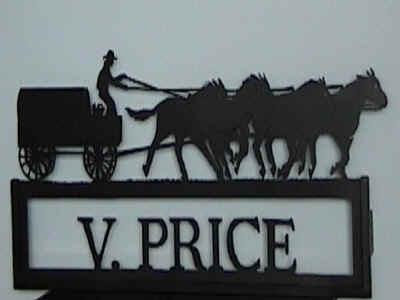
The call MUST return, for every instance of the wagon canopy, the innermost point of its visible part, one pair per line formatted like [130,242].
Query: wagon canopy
[52,115]
[47,103]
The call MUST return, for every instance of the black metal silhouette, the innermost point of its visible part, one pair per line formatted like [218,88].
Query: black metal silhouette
[293,117]
[105,80]
[302,116]
[210,117]
[343,110]
[269,282]
[62,117]
[207,117]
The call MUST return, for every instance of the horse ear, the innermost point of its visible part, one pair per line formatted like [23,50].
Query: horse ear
[369,73]
[221,83]
[265,79]
[372,71]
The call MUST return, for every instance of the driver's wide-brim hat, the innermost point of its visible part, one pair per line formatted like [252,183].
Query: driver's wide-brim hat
[110,55]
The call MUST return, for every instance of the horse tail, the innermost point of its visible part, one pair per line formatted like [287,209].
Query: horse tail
[141,115]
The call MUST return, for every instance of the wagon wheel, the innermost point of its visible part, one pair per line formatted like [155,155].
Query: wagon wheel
[37,162]
[100,161]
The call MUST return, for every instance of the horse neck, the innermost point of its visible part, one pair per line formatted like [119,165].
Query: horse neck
[351,97]
[249,103]
[348,104]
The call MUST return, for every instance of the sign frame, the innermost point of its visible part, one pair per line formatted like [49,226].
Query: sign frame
[241,283]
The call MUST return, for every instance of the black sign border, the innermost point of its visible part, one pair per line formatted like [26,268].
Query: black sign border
[192,282]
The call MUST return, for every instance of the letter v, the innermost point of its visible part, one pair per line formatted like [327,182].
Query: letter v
[97,257]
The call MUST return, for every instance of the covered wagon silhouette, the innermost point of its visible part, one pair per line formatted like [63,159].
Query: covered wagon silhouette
[52,118]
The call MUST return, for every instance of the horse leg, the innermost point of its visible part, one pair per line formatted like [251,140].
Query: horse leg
[301,150]
[257,153]
[346,157]
[208,155]
[313,157]
[225,166]
[286,168]
[270,155]
[158,137]
[218,148]
[230,152]
[344,146]
[243,138]
[345,149]
[178,152]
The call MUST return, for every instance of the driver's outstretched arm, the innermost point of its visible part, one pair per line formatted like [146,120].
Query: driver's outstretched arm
[117,81]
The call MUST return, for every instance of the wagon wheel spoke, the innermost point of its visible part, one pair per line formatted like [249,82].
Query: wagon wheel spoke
[44,167]
[91,156]
[90,169]
[108,164]
[106,168]
[36,172]
[103,173]
[97,173]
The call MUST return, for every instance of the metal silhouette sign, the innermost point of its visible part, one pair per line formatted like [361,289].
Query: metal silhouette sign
[211,118]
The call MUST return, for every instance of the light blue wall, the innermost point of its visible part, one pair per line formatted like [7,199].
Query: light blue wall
[185,43]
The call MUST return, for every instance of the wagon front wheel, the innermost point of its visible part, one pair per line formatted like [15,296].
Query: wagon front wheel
[37,162]
[100,162]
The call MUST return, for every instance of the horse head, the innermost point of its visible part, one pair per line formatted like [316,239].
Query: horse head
[374,97]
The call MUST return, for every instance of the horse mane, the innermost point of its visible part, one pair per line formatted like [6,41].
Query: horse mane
[254,81]
[309,82]
[351,84]
[210,90]
[358,79]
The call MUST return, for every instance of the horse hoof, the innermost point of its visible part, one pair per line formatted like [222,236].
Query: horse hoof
[262,173]
[273,171]
[333,170]
[145,170]
[301,169]
[283,173]
[310,173]
[237,170]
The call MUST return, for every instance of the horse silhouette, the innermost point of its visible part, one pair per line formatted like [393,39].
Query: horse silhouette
[290,116]
[209,118]
[212,120]
[362,94]
[251,89]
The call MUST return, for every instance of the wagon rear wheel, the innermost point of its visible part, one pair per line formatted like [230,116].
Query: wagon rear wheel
[37,162]
[100,161]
